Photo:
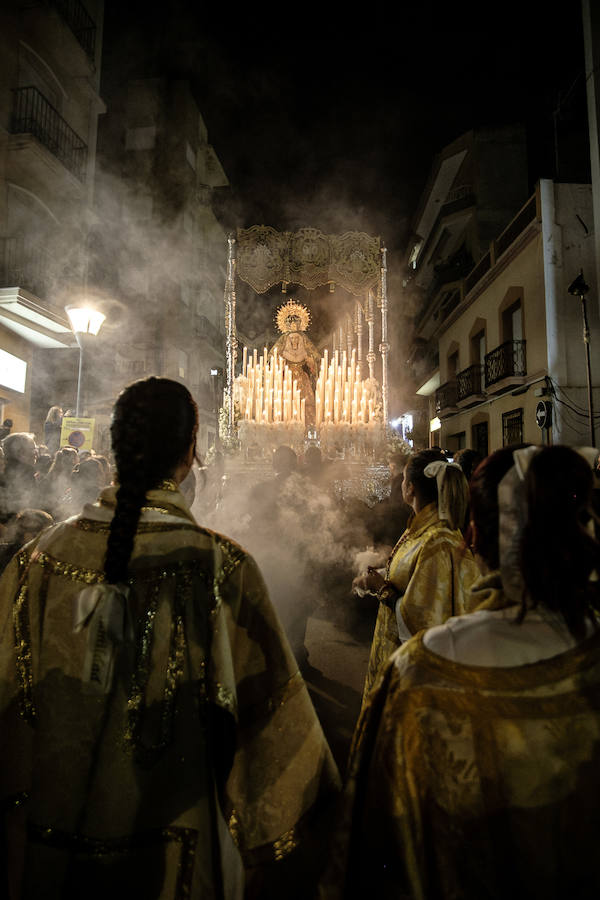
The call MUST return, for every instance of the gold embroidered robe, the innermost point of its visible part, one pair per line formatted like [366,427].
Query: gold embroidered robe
[474,783]
[433,571]
[208,722]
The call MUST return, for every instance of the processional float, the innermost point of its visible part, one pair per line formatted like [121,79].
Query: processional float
[270,401]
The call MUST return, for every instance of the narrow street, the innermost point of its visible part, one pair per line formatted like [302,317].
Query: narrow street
[338,647]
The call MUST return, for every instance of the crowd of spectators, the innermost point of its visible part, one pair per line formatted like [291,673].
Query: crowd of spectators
[40,486]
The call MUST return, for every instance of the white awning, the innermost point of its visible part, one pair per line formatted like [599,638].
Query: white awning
[22,313]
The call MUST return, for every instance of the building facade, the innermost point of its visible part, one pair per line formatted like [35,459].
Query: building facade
[159,250]
[49,107]
[510,365]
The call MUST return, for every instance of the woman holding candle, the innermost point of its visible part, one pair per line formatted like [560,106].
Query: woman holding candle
[430,571]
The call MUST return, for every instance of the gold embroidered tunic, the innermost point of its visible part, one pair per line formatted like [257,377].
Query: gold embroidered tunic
[206,753]
[433,572]
[471,782]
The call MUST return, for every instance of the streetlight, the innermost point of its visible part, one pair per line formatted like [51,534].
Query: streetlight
[578,288]
[84,321]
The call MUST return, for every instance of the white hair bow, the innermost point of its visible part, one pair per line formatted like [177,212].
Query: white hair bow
[437,469]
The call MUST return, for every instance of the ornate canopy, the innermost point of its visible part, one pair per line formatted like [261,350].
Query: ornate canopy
[263,257]
[308,257]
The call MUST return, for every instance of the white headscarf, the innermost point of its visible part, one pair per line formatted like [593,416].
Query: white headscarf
[512,516]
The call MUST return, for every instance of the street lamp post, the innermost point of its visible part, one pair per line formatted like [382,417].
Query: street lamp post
[579,288]
[84,321]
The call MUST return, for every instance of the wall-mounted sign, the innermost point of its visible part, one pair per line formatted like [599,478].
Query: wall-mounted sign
[543,414]
[78,433]
[13,372]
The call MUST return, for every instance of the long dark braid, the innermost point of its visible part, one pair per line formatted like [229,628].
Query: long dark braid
[154,423]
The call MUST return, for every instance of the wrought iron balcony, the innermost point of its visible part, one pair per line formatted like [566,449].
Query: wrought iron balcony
[506,361]
[470,384]
[32,114]
[446,398]
[28,267]
[80,22]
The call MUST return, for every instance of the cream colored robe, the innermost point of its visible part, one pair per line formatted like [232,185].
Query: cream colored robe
[208,732]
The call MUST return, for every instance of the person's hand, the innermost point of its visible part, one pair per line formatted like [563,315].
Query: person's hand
[371,583]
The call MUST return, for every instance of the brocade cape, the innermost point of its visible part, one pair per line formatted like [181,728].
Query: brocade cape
[474,783]
[433,572]
[208,732]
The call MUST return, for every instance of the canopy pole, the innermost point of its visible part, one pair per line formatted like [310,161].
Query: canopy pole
[384,345]
[231,335]
[371,324]
[359,330]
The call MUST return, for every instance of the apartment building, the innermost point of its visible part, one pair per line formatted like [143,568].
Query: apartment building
[49,106]
[160,251]
[502,359]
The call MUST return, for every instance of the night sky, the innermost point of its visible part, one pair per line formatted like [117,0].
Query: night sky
[330,115]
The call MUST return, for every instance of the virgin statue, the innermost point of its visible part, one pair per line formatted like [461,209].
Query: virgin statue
[298,351]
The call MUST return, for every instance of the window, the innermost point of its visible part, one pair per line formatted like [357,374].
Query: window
[478,348]
[512,427]
[452,365]
[480,438]
[512,322]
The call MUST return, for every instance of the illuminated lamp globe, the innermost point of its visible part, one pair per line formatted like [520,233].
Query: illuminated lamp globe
[84,320]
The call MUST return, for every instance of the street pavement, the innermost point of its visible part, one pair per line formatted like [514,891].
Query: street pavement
[338,643]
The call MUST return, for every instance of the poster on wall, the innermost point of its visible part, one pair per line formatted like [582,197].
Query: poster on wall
[77,433]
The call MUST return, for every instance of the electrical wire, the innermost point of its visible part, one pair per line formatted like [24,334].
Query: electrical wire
[582,415]
[572,405]
[572,425]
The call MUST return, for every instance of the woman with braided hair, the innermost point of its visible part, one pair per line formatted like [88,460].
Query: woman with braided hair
[157,736]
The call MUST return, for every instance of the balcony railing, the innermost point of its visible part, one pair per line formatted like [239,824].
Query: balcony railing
[506,361]
[446,397]
[32,114]
[520,222]
[483,266]
[470,382]
[80,22]
[25,267]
